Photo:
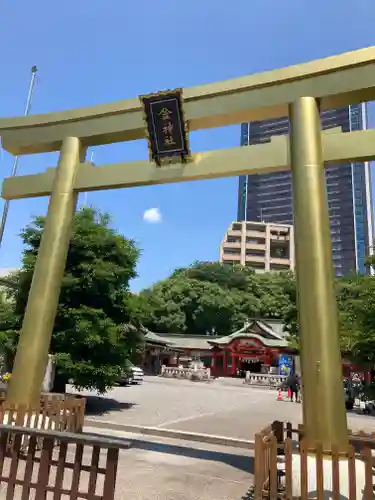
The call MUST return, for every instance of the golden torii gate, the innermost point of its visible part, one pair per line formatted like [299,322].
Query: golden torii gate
[297,91]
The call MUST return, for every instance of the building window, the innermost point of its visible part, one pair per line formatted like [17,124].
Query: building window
[232,251]
[279,252]
[255,253]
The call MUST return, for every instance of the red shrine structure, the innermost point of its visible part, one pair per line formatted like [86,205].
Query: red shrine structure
[257,347]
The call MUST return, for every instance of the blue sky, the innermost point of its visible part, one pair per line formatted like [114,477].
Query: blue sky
[90,52]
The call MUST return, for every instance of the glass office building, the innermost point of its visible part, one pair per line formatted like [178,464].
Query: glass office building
[268,197]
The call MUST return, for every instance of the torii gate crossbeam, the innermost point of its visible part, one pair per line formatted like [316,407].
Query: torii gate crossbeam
[299,92]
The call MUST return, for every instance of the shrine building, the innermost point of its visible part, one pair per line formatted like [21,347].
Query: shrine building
[260,346]
[256,347]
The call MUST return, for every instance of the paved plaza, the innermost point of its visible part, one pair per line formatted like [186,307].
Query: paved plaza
[224,407]
[157,467]
[169,469]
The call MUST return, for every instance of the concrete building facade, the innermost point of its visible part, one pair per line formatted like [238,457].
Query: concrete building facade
[261,246]
[268,197]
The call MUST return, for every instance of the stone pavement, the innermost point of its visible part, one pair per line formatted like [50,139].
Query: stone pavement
[165,469]
[223,407]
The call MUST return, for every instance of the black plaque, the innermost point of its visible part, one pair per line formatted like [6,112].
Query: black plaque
[168,140]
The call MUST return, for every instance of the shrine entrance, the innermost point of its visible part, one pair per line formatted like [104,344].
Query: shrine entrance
[251,364]
[165,119]
[256,347]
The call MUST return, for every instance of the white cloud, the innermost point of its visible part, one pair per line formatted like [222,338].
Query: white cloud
[152,215]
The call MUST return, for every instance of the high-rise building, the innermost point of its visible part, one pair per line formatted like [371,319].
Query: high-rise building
[268,197]
[263,247]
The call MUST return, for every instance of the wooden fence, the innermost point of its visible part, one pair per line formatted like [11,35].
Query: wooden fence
[66,466]
[55,412]
[273,474]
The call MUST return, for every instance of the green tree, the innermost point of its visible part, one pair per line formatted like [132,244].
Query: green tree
[356,300]
[227,277]
[133,337]
[356,307]
[212,297]
[89,342]
[190,306]
[8,323]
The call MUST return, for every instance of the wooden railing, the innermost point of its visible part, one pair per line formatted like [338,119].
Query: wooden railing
[284,430]
[57,465]
[277,444]
[55,411]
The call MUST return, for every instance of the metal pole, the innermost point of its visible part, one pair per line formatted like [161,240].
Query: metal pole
[38,322]
[324,411]
[4,216]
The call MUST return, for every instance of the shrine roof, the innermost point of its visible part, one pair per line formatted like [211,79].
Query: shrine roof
[271,338]
[154,338]
[189,342]
[269,332]
[178,341]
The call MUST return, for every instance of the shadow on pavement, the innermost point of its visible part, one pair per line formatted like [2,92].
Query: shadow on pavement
[96,405]
[240,462]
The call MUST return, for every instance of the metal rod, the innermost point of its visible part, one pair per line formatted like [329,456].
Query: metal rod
[4,216]
[38,322]
[324,411]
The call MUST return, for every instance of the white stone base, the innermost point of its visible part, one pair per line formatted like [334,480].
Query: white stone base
[327,478]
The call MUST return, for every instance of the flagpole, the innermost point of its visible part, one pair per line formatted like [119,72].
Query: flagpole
[4,217]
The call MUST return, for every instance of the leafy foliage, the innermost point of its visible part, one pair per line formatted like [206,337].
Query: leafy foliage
[89,341]
[209,297]
[356,308]
[356,298]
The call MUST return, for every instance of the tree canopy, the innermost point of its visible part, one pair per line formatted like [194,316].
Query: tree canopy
[209,297]
[212,298]
[90,342]
[356,308]
[356,299]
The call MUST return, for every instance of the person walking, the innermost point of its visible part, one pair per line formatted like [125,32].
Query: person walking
[293,385]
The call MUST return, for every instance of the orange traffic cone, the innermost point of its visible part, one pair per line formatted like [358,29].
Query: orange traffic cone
[279,395]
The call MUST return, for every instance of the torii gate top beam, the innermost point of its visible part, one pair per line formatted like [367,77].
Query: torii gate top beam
[337,81]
